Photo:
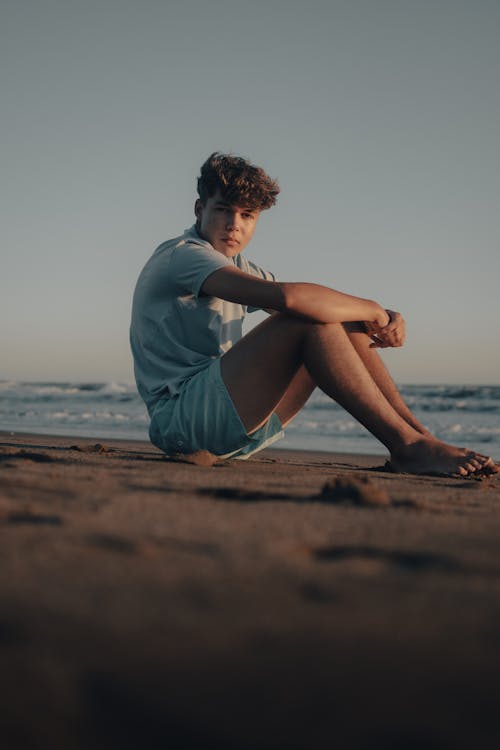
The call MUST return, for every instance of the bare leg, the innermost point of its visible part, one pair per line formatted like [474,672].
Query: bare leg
[296,396]
[377,369]
[303,385]
[279,347]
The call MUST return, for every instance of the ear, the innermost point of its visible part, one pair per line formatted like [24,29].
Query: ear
[198,209]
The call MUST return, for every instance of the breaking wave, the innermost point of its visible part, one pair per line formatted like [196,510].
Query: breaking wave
[466,415]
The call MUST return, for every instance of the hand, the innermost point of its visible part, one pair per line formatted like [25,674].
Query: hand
[391,335]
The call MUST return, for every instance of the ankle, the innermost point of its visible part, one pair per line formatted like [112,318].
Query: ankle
[409,445]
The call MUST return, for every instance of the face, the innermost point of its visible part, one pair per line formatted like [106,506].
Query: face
[228,228]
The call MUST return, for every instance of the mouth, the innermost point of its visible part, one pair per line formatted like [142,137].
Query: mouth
[231,241]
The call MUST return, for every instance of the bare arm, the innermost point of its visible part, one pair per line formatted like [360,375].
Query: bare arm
[311,301]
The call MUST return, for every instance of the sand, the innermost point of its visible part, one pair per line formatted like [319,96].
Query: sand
[295,600]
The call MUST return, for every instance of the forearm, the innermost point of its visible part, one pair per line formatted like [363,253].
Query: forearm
[310,301]
[324,305]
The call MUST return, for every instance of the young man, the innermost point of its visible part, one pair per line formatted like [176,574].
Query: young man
[207,387]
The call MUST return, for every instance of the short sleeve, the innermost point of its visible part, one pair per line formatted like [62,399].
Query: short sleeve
[252,268]
[191,264]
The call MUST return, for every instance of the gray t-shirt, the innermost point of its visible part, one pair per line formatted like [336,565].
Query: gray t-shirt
[176,331]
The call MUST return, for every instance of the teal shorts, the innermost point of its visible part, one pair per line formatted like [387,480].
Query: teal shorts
[202,416]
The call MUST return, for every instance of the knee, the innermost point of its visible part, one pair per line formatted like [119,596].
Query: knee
[356,326]
[358,334]
[309,328]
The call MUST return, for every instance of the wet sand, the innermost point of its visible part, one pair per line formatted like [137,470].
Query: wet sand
[295,600]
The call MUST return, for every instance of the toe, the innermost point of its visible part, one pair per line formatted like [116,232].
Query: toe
[483,464]
[484,456]
[488,466]
[491,468]
[478,465]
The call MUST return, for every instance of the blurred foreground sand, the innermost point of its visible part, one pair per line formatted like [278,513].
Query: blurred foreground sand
[146,603]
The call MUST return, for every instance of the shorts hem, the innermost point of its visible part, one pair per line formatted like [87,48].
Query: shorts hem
[202,416]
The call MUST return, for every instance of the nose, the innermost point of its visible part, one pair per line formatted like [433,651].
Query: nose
[231,221]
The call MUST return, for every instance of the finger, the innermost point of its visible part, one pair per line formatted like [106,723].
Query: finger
[394,320]
[389,339]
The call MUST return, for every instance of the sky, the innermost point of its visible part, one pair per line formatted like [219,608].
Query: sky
[380,119]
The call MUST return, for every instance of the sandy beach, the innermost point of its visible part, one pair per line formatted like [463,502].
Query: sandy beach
[295,600]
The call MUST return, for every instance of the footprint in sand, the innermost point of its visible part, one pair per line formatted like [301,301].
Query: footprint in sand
[345,490]
[39,519]
[414,561]
[241,495]
[40,458]
[354,491]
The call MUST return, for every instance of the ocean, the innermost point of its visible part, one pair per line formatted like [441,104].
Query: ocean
[466,415]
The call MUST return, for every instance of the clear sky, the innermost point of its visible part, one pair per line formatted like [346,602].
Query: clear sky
[380,118]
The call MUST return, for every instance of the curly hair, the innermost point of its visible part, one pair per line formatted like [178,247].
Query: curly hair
[240,183]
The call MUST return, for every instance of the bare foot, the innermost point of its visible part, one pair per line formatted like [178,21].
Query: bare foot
[431,456]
